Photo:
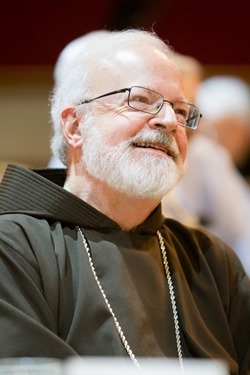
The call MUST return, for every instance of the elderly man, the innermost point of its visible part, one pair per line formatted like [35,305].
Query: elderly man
[89,266]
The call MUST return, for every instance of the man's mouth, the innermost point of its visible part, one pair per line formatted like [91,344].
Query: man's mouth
[157,146]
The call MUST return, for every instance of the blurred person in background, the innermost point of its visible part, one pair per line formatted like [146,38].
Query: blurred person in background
[212,191]
[192,75]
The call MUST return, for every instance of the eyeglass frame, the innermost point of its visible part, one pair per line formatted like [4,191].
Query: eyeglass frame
[199,115]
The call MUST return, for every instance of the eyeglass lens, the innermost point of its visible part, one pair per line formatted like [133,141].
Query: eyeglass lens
[150,101]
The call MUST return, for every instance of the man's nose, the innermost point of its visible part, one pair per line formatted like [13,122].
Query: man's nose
[165,118]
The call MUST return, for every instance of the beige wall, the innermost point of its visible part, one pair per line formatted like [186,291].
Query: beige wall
[24,112]
[24,115]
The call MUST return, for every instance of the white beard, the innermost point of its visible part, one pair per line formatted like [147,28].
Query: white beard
[127,168]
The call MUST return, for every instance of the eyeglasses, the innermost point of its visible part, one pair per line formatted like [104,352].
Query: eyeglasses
[151,102]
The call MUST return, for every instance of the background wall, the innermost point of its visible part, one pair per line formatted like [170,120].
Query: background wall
[33,32]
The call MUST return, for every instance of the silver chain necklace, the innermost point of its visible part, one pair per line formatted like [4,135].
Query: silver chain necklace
[172,298]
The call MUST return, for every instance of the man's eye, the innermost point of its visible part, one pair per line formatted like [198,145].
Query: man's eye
[140,99]
[181,112]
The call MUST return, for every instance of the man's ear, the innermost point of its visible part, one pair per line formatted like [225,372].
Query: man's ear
[70,126]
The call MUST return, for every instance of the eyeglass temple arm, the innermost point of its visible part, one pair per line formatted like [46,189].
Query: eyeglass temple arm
[102,96]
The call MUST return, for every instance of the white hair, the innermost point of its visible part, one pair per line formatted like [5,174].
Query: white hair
[222,96]
[77,83]
[69,58]
[69,55]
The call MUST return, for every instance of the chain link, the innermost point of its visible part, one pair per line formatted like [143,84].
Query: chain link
[172,298]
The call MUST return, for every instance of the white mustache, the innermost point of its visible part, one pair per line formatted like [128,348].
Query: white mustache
[159,137]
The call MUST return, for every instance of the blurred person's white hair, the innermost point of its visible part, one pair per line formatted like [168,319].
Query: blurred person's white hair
[78,84]
[223,96]
[192,74]
[188,65]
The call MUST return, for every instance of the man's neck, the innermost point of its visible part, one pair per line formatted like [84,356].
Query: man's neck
[128,212]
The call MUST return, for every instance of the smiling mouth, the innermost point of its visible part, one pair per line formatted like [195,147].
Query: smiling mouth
[156,146]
